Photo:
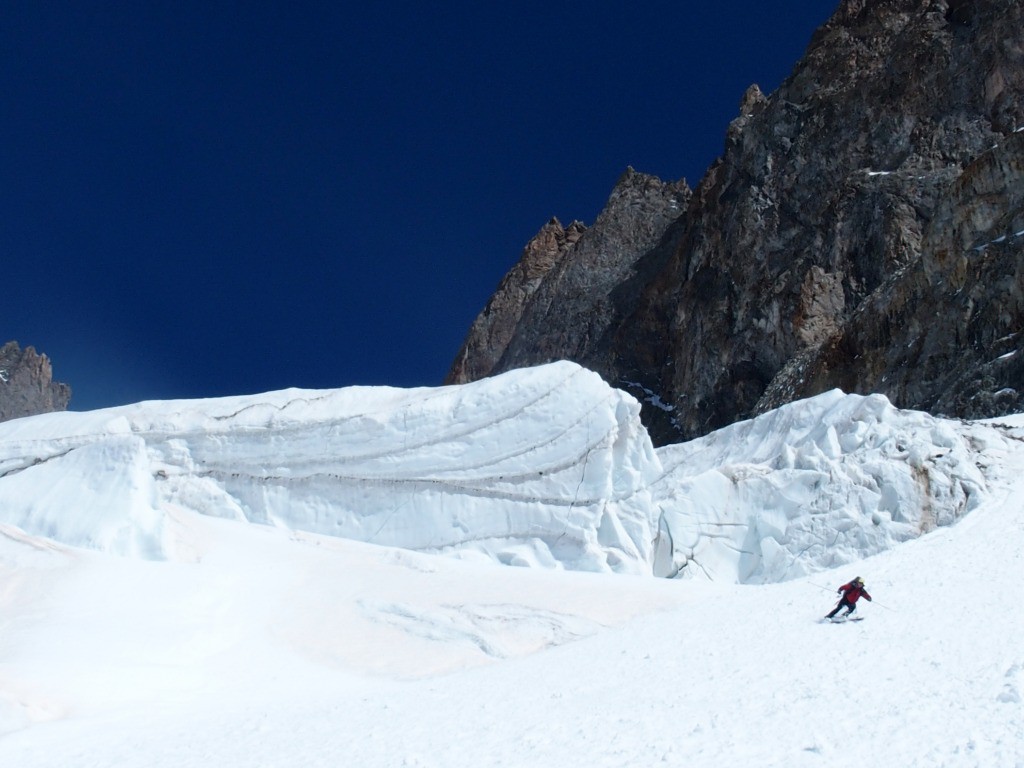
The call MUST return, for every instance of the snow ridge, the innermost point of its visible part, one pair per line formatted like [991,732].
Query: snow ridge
[546,466]
[813,485]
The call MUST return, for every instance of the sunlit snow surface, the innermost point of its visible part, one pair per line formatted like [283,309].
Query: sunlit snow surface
[146,621]
[546,467]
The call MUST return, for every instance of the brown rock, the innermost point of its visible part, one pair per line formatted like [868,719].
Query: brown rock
[26,384]
[864,228]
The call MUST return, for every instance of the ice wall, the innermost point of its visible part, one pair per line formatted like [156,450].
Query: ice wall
[546,466]
[812,485]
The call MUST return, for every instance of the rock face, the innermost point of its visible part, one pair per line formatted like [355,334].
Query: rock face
[494,328]
[572,287]
[864,229]
[26,384]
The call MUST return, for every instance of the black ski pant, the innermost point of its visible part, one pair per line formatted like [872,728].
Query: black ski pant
[843,603]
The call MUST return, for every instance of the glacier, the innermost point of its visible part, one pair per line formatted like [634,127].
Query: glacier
[203,582]
[542,467]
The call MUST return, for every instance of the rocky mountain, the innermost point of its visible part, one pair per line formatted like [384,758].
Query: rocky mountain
[863,229]
[26,384]
[493,329]
[568,282]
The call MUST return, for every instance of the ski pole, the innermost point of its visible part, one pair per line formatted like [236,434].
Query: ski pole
[827,589]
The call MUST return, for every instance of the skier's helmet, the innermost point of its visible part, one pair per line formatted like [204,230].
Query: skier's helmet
[858,580]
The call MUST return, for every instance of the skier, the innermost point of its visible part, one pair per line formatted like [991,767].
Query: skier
[852,592]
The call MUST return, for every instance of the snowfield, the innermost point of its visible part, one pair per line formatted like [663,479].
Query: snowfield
[315,578]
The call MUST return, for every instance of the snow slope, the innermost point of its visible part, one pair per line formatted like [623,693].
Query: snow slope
[143,622]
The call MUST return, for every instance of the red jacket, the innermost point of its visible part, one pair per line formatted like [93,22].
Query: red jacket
[853,591]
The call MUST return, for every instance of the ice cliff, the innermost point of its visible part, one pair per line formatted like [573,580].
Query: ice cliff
[546,466]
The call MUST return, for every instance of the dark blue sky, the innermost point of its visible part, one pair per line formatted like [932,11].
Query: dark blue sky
[204,199]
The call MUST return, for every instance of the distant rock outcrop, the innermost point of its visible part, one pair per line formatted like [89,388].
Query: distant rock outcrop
[26,384]
[864,229]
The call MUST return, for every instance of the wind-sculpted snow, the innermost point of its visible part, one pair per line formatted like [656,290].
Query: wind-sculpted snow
[546,467]
[812,485]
